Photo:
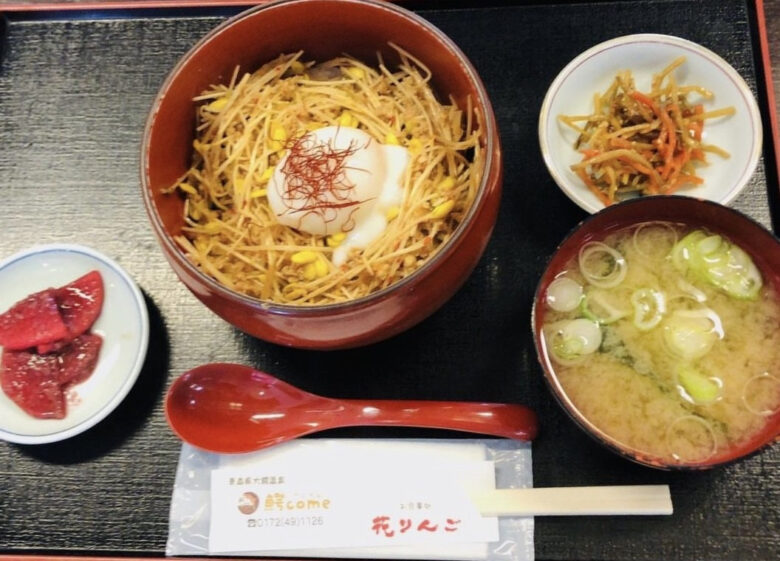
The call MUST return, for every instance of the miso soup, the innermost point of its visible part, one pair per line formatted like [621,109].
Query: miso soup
[667,339]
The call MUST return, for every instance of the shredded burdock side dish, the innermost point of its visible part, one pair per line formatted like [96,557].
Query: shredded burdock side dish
[637,143]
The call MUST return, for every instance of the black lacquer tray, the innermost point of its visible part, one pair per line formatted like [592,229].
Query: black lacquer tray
[75,88]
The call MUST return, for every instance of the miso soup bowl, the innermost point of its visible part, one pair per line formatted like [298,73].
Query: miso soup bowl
[758,242]
[323,29]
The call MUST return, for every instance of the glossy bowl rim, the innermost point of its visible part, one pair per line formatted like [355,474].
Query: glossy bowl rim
[551,379]
[544,133]
[492,159]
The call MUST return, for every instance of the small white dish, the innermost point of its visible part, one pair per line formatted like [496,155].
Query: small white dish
[572,91]
[123,323]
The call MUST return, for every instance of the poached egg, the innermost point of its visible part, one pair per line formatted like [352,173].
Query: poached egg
[338,180]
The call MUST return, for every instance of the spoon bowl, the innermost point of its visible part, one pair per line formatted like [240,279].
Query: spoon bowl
[232,408]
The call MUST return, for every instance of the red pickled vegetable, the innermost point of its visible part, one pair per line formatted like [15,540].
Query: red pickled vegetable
[79,305]
[47,347]
[32,382]
[33,321]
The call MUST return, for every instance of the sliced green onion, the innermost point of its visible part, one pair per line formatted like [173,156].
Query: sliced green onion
[570,341]
[602,265]
[704,314]
[691,439]
[722,264]
[690,334]
[761,394]
[709,245]
[649,308]
[736,275]
[683,251]
[697,387]
[564,294]
[648,253]
[691,291]
[596,307]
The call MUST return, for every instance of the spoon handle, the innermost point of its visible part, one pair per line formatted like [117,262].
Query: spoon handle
[496,419]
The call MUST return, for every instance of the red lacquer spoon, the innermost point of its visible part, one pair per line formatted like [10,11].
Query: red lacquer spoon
[230,408]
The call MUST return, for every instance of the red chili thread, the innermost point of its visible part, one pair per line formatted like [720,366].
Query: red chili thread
[316,180]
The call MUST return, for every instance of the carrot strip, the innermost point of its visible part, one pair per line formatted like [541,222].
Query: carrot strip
[589,153]
[671,140]
[592,187]
[684,179]
[668,137]
[696,128]
[678,162]
[642,98]
[689,178]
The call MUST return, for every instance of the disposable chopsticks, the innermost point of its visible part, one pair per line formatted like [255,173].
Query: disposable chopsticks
[575,501]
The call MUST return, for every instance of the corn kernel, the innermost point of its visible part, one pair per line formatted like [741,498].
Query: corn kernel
[266,175]
[211,228]
[347,119]
[309,272]
[217,105]
[278,136]
[278,132]
[187,188]
[303,257]
[392,213]
[442,210]
[415,146]
[197,145]
[320,267]
[257,193]
[446,184]
[335,240]
[391,138]
[355,72]
[297,67]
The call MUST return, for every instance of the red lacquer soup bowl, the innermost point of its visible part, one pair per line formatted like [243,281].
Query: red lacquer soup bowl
[323,29]
[675,319]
